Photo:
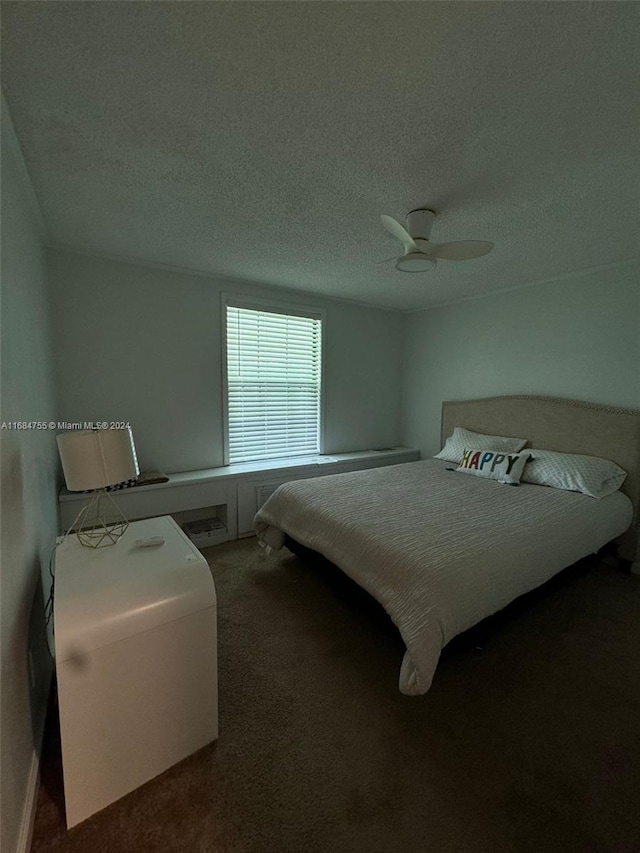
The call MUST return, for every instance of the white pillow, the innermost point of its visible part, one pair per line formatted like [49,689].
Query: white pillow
[503,467]
[462,438]
[574,472]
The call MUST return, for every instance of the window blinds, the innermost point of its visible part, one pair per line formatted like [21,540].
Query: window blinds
[273,384]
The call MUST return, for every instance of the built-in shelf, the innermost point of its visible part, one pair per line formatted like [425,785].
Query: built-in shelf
[233,493]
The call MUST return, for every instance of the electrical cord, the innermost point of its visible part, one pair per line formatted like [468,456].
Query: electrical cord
[48,607]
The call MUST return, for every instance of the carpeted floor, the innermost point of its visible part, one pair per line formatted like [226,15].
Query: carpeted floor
[531,743]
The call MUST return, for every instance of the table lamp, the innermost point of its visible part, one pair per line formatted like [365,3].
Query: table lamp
[92,460]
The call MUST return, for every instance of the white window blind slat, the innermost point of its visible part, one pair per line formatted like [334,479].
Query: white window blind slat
[273,384]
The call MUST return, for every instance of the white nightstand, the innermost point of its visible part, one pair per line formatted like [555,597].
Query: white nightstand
[136,661]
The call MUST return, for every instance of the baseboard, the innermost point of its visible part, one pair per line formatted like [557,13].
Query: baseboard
[29,808]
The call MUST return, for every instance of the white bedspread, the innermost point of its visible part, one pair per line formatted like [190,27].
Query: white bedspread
[440,551]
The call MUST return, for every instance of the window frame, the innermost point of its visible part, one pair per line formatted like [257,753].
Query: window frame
[273,306]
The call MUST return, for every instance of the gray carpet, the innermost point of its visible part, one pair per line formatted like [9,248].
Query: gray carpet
[531,743]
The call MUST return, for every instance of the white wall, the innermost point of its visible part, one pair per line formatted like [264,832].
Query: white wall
[28,492]
[143,345]
[575,337]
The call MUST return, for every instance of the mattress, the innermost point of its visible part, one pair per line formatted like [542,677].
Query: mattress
[440,551]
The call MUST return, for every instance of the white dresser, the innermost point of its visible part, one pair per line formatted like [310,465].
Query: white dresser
[136,661]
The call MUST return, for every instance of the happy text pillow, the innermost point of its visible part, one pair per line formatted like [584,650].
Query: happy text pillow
[503,467]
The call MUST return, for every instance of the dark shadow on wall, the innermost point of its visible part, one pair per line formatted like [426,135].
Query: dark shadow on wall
[39,659]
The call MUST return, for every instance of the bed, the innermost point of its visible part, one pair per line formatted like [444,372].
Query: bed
[441,551]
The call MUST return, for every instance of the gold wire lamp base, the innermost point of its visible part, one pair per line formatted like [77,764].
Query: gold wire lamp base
[101,522]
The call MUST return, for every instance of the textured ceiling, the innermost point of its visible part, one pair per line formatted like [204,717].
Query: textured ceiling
[261,141]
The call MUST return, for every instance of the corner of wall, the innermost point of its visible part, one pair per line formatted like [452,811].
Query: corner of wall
[29,486]
[10,139]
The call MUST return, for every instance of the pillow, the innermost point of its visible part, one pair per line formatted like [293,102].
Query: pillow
[591,475]
[503,467]
[462,438]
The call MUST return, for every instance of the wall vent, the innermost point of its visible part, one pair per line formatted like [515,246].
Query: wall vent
[204,531]
[264,491]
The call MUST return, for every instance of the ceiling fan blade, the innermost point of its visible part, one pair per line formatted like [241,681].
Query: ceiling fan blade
[462,250]
[400,233]
[388,260]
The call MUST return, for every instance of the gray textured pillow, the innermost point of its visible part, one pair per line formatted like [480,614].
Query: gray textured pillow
[573,472]
[455,445]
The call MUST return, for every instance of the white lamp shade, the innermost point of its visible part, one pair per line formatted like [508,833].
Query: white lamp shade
[96,458]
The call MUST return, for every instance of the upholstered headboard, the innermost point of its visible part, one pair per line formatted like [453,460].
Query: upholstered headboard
[570,426]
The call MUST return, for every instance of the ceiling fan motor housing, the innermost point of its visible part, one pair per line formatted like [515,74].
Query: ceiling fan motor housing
[420,222]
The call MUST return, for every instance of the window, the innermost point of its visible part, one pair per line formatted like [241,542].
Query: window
[274,377]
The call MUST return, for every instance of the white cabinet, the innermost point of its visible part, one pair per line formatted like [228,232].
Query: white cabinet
[186,497]
[136,662]
[234,493]
[252,493]
[374,459]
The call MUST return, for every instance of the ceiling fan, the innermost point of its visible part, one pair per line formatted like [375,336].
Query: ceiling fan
[420,254]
